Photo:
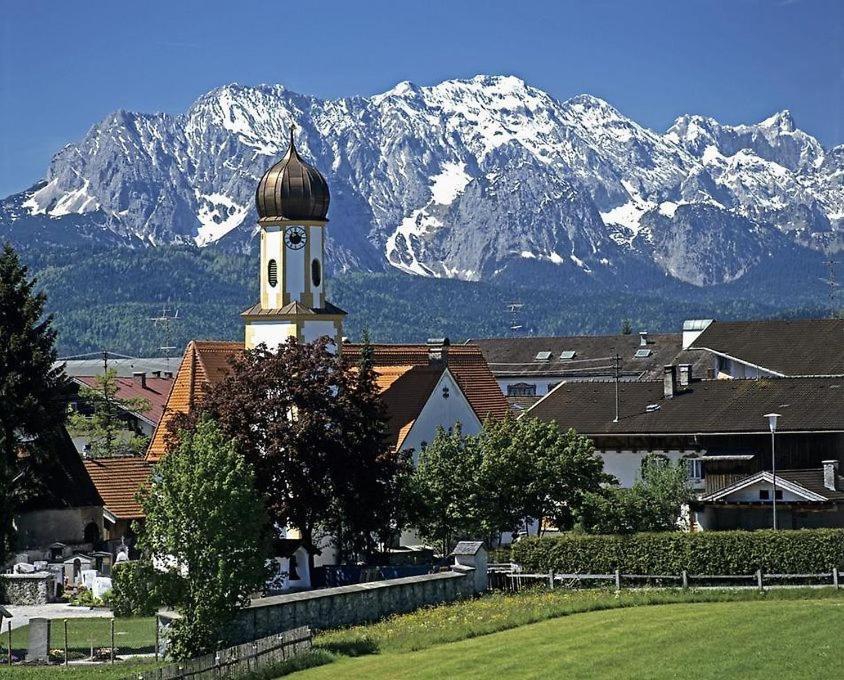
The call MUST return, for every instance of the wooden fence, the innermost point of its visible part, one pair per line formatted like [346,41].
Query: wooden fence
[508,578]
[234,662]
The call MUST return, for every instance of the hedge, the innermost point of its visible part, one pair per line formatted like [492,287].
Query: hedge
[713,552]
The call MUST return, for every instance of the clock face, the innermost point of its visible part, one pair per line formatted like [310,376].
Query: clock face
[295,238]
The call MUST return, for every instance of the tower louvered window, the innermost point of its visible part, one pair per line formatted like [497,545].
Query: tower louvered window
[316,273]
[272,273]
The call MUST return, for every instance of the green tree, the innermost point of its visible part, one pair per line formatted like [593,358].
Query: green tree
[446,487]
[204,516]
[626,327]
[33,393]
[653,503]
[105,426]
[313,428]
[371,477]
[532,472]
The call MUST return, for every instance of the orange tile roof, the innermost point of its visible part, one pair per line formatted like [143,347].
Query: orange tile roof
[405,377]
[156,392]
[204,364]
[466,363]
[117,480]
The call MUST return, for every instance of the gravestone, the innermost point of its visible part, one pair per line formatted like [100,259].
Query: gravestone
[39,640]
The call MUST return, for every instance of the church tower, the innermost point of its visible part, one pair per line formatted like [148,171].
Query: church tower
[292,200]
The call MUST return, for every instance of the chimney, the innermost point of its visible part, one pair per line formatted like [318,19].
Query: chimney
[168,374]
[643,338]
[669,381]
[438,351]
[140,378]
[156,374]
[685,374]
[830,474]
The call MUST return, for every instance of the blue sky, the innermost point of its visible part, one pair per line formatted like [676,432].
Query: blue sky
[64,65]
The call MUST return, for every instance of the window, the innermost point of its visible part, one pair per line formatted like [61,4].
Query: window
[568,354]
[764,495]
[543,356]
[521,390]
[694,468]
[643,353]
[272,273]
[316,273]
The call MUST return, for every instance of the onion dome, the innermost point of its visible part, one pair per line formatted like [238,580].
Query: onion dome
[292,190]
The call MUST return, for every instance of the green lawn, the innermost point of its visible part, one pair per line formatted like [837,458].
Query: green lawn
[131,636]
[772,637]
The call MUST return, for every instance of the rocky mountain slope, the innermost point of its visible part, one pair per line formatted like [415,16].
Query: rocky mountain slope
[481,179]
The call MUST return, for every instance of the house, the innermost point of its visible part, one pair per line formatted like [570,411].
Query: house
[717,426]
[153,388]
[529,367]
[806,498]
[118,481]
[424,387]
[769,348]
[62,505]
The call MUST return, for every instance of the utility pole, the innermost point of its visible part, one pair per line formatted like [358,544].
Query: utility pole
[617,371]
[833,288]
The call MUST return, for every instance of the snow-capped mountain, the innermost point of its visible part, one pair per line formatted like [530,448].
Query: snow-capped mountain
[472,179]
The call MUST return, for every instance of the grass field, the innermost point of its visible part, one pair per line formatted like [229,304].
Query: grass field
[131,636]
[785,638]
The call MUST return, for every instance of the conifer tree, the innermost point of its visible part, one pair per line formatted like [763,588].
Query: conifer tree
[104,425]
[33,393]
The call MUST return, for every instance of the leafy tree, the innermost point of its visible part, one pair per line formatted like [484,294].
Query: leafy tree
[105,424]
[371,477]
[446,485]
[32,392]
[532,471]
[626,327]
[312,427]
[204,516]
[653,503]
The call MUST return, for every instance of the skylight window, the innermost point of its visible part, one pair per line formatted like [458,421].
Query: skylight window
[643,353]
[568,354]
[543,356]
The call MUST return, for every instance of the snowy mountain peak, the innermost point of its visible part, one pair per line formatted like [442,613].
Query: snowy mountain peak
[470,178]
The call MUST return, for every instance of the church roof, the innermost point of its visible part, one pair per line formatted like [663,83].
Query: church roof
[406,378]
[292,190]
[295,308]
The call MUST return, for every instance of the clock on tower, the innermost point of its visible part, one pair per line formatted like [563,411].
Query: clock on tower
[292,201]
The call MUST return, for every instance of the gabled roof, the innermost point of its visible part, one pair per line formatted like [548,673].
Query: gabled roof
[156,392]
[465,362]
[58,479]
[708,406]
[807,484]
[118,481]
[791,347]
[407,379]
[204,364]
[593,355]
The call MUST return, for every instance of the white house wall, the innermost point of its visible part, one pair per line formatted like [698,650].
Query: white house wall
[751,493]
[626,466]
[314,330]
[442,412]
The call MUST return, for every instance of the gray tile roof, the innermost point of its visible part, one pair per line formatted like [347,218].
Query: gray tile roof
[514,357]
[806,404]
[792,347]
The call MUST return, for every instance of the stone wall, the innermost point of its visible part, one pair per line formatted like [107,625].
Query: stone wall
[343,606]
[19,589]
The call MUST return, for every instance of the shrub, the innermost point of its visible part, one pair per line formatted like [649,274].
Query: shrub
[133,591]
[721,552]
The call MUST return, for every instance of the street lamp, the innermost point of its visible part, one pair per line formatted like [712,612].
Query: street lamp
[772,424]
